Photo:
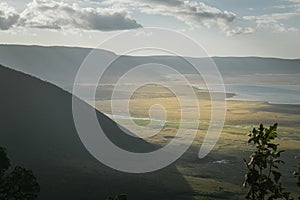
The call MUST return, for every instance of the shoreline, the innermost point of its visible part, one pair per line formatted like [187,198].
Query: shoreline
[264,102]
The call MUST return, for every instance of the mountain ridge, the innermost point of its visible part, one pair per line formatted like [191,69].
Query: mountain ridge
[89,48]
[59,65]
[38,131]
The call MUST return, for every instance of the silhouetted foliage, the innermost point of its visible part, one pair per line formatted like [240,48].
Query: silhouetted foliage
[19,184]
[4,161]
[118,197]
[263,175]
[297,175]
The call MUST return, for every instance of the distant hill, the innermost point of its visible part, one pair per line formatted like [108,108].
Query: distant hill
[59,65]
[37,128]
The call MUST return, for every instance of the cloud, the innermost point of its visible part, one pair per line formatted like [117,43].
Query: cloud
[49,14]
[8,16]
[294,1]
[273,21]
[273,16]
[239,31]
[296,5]
[192,13]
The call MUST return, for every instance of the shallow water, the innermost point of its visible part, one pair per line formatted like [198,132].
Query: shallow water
[276,94]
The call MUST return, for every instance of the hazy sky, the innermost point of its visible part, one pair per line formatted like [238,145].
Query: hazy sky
[267,28]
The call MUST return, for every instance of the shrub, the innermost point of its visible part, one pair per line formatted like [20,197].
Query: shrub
[19,184]
[263,176]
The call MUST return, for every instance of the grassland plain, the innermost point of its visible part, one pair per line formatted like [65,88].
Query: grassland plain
[220,174]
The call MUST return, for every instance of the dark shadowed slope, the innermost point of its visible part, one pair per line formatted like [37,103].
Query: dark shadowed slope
[36,127]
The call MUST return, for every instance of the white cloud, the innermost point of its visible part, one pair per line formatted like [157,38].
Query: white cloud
[273,16]
[191,13]
[273,21]
[8,16]
[294,1]
[49,14]
[239,31]
[289,4]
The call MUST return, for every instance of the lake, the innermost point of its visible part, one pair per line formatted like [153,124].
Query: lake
[275,94]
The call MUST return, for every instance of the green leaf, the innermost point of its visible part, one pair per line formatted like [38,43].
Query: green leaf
[278,153]
[276,175]
[268,184]
[278,161]
[286,195]
[272,146]
[271,135]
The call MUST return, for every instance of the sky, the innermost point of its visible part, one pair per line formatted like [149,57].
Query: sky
[264,28]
